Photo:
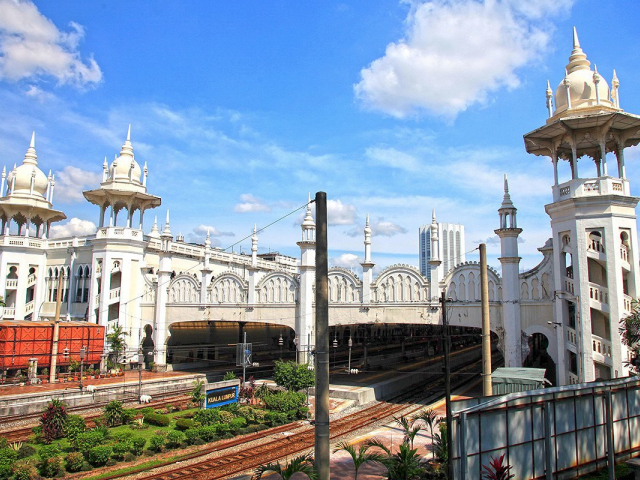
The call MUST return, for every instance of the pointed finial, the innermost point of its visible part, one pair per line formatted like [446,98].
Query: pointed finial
[33,140]
[129,133]
[167,216]
[433,215]
[615,77]
[255,228]
[367,219]
[549,91]
[105,164]
[576,42]
[506,185]
[31,157]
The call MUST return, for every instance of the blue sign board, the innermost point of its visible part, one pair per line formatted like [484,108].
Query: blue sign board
[221,396]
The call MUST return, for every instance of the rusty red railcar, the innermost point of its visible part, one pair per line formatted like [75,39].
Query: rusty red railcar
[23,340]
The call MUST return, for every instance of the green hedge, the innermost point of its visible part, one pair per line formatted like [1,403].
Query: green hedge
[100,455]
[284,401]
[185,424]
[157,419]
[74,461]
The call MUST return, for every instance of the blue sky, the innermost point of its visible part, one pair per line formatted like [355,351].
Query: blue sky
[242,108]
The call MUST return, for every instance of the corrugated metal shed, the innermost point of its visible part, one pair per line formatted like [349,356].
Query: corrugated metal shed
[510,380]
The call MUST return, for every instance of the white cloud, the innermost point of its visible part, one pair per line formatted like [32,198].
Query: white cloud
[71,181]
[386,228]
[391,157]
[75,227]
[251,204]
[32,46]
[346,260]
[339,213]
[455,53]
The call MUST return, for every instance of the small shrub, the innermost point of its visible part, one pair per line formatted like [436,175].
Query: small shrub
[100,455]
[184,423]
[26,451]
[157,419]
[222,429]
[207,417]
[3,442]
[121,448]
[146,410]
[237,424]
[128,414]
[88,440]
[229,376]
[111,462]
[174,439]
[74,425]
[48,451]
[52,466]
[7,460]
[156,443]
[226,417]
[24,471]
[191,435]
[86,467]
[137,445]
[129,457]
[284,401]
[208,433]
[74,461]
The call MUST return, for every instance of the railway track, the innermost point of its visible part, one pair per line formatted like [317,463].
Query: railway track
[23,433]
[238,461]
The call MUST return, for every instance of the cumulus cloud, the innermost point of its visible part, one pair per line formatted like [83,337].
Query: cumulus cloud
[71,181]
[339,213]
[346,260]
[199,234]
[249,203]
[32,46]
[455,53]
[75,227]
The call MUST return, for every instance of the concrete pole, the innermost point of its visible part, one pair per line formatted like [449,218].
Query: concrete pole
[447,383]
[487,389]
[322,445]
[56,330]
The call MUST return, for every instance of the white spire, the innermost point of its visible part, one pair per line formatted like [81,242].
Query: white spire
[615,94]
[308,225]
[367,241]
[207,241]
[127,149]
[578,59]
[30,157]
[167,229]
[129,134]
[155,233]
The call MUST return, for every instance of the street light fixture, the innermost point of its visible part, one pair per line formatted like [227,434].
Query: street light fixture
[280,342]
[335,349]
[350,345]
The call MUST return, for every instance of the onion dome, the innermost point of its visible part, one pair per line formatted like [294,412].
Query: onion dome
[125,168]
[581,87]
[28,179]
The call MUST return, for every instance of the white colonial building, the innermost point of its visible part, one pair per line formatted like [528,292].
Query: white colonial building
[562,315]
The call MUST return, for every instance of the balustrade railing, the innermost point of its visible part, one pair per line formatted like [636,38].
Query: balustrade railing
[568,285]
[624,253]
[572,336]
[9,312]
[595,245]
[12,282]
[573,379]
[601,346]
[31,279]
[28,308]
[627,303]
[114,293]
[598,293]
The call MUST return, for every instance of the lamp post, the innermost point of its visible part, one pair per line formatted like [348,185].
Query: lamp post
[350,345]
[140,362]
[83,352]
[335,349]
[280,342]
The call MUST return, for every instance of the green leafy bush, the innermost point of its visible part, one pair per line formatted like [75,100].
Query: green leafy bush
[146,410]
[207,417]
[156,443]
[26,451]
[207,433]
[8,457]
[129,457]
[293,376]
[137,445]
[52,466]
[192,435]
[74,461]
[100,455]
[74,425]
[276,418]
[229,376]
[237,424]
[48,451]
[88,440]
[226,416]
[24,471]
[284,401]
[121,448]
[174,439]
[157,419]
[184,423]
[53,420]
[222,429]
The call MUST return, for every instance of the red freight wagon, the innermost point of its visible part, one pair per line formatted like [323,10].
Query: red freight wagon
[22,340]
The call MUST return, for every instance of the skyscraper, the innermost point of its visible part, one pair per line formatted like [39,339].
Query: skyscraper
[450,247]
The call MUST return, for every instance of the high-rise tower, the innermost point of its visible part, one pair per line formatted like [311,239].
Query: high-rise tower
[593,219]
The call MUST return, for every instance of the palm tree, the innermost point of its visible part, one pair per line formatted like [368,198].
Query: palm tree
[402,465]
[303,464]
[409,428]
[630,335]
[359,457]
[431,419]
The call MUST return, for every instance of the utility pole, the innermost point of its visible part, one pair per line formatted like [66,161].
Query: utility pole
[447,382]
[322,445]
[487,389]
[56,330]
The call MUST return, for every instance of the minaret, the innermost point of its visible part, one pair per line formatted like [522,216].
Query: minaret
[435,262]
[593,220]
[367,266]
[305,320]
[164,278]
[509,233]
